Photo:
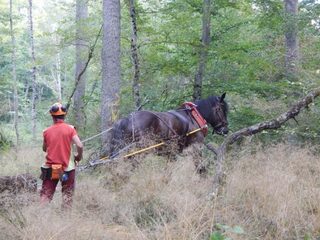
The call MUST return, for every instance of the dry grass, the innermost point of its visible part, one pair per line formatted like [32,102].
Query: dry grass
[27,160]
[274,194]
[271,194]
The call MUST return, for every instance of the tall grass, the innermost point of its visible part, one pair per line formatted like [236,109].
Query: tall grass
[26,160]
[274,194]
[270,194]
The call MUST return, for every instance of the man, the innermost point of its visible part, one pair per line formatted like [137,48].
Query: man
[57,141]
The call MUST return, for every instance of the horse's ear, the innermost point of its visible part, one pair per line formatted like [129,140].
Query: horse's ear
[222,97]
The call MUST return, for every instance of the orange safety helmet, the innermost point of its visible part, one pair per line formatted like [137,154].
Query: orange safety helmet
[58,109]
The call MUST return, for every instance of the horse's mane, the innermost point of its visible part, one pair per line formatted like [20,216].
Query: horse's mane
[205,106]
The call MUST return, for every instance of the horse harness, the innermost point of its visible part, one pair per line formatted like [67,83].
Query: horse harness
[195,115]
[192,112]
[170,128]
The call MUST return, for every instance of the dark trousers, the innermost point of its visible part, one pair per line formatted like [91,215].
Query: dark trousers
[49,187]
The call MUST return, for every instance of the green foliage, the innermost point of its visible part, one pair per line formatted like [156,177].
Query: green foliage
[246,116]
[217,236]
[5,143]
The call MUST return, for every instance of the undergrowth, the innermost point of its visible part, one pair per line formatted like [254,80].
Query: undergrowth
[271,193]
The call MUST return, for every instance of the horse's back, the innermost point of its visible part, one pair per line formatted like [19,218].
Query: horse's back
[150,123]
[134,125]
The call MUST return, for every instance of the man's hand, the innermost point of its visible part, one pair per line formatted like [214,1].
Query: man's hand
[44,146]
[76,140]
[78,157]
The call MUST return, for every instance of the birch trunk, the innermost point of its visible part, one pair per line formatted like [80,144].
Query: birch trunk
[33,74]
[58,76]
[14,77]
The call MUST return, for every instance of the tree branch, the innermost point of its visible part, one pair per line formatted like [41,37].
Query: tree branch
[90,55]
[254,129]
[275,123]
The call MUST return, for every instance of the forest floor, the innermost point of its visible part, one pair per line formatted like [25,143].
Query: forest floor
[268,193]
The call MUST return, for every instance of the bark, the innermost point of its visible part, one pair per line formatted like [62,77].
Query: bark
[14,77]
[134,56]
[81,52]
[56,71]
[33,74]
[254,129]
[291,38]
[58,80]
[110,66]
[205,41]
[56,75]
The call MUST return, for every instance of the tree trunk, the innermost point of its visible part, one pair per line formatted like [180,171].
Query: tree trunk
[14,77]
[81,58]
[205,41]
[110,67]
[33,74]
[58,76]
[134,56]
[291,38]
[56,72]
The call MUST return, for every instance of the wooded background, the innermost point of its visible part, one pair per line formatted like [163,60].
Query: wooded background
[108,58]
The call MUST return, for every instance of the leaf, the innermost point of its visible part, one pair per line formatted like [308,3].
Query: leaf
[217,236]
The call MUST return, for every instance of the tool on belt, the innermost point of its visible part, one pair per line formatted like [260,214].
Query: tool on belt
[56,172]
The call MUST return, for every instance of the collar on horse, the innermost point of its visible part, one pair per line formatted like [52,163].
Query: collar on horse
[202,123]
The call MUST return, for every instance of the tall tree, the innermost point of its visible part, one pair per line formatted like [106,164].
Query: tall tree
[205,41]
[110,66]
[291,38]
[134,55]
[81,54]
[14,77]
[56,75]
[33,73]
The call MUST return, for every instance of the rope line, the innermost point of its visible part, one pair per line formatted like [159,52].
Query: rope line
[90,138]
[143,150]
[194,131]
[109,159]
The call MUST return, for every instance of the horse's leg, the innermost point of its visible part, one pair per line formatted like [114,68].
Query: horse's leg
[196,141]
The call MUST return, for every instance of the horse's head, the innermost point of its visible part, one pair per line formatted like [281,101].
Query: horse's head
[214,110]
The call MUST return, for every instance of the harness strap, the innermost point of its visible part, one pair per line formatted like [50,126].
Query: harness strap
[202,123]
[113,158]
[170,128]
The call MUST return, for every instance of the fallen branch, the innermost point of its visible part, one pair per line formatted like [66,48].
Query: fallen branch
[18,183]
[254,129]
[90,55]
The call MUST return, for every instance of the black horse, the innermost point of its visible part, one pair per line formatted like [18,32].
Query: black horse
[186,125]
